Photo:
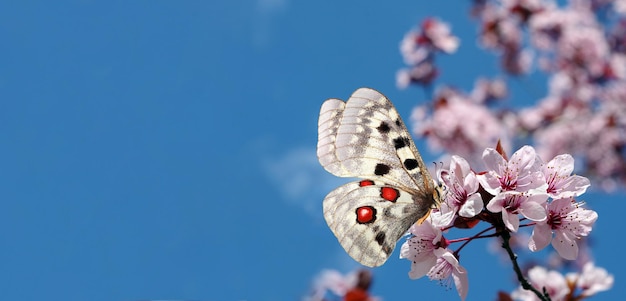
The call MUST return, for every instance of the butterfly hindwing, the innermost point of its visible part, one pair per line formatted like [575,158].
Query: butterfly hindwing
[369,217]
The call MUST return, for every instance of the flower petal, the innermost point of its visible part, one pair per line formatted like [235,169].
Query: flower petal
[511,221]
[421,268]
[473,206]
[460,281]
[565,245]
[533,211]
[541,237]
[493,160]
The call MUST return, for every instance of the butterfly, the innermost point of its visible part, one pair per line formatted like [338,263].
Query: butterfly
[365,137]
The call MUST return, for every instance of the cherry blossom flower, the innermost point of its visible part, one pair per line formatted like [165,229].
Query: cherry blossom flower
[423,73]
[486,90]
[351,287]
[419,248]
[430,257]
[569,222]
[437,34]
[433,36]
[447,267]
[561,184]
[524,9]
[459,125]
[583,49]
[554,283]
[521,173]
[591,279]
[512,203]
[547,26]
[332,281]
[418,49]
[462,196]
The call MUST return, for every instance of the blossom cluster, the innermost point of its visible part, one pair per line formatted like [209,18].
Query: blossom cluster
[523,188]
[332,285]
[579,45]
[418,49]
[588,282]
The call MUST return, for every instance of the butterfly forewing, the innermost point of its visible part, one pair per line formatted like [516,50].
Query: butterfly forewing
[366,138]
[328,124]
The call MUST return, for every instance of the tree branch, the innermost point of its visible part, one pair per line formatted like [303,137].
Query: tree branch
[506,237]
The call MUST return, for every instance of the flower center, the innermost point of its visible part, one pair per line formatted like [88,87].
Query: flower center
[508,182]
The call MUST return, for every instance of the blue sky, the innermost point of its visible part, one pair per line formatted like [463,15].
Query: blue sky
[166,149]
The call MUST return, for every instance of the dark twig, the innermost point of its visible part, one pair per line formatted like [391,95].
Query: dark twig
[506,237]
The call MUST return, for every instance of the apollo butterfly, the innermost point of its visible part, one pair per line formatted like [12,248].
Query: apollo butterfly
[365,137]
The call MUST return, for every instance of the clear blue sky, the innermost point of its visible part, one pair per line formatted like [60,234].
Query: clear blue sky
[166,149]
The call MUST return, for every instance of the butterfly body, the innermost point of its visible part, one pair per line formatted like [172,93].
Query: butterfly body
[365,137]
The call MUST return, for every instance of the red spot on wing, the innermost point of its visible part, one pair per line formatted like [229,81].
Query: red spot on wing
[389,194]
[365,214]
[366,183]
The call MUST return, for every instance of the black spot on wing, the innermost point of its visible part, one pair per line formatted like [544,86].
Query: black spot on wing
[381,169]
[383,128]
[380,238]
[400,142]
[410,164]
[398,122]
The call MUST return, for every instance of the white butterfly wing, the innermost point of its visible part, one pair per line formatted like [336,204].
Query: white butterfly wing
[368,218]
[365,137]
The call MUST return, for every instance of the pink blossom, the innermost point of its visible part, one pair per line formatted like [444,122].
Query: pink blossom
[448,267]
[553,282]
[423,73]
[434,35]
[516,60]
[462,196]
[569,222]
[547,26]
[458,125]
[419,248]
[412,52]
[583,48]
[418,49]
[561,184]
[332,281]
[591,279]
[438,35]
[512,203]
[428,255]
[486,90]
[521,173]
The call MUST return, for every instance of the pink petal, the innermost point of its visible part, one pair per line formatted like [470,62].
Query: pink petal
[533,211]
[493,160]
[495,204]
[421,268]
[470,183]
[565,246]
[460,167]
[511,221]
[525,157]
[460,281]
[490,182]
[473,205]
[541,237]
[563,165]
[573,186]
